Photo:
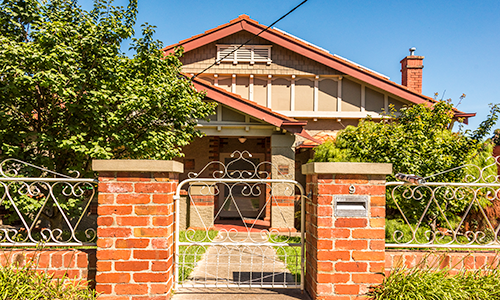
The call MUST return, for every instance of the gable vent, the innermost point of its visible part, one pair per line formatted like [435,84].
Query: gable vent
[247,53]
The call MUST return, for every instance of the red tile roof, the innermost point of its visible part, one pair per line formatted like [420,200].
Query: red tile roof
[320,137]
[244,23]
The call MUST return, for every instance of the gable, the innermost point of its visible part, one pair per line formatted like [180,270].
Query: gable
[284,61]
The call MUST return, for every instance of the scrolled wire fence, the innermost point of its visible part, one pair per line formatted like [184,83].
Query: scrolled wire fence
[461,215]
[42,207]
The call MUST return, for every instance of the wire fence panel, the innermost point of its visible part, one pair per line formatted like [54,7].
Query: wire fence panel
[460,215]
[212,252]
[42,207]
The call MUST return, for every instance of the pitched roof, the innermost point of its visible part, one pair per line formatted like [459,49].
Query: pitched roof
[244,23]
[251,108]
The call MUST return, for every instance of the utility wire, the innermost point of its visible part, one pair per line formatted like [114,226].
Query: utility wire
[263,30]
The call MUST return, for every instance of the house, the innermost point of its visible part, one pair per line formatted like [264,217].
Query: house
[279,96]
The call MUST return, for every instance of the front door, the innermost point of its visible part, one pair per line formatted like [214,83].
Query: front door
[241,198]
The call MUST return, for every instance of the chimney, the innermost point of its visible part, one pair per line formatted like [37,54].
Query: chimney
[411,71]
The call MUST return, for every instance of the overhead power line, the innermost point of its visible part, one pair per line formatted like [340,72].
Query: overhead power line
[245,43]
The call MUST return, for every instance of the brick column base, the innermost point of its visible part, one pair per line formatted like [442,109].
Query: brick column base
[345,254]
[135,230]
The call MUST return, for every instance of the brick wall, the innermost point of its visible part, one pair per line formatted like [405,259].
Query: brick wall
[345,255]
[454,260]
[72,264]
[411,72]
[135,234]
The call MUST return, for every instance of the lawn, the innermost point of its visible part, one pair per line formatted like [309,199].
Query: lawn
[290,255]
[189,255]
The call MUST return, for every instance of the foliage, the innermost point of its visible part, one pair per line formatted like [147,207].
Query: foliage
[418,141]
[427,281]
[68,95]
[24,282]
[290,255]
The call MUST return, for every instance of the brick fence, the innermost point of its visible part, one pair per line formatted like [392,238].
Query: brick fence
[135,228]
[71,264]
[345,228]
[453,260]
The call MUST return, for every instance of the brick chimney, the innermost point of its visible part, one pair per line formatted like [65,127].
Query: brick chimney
[411,71]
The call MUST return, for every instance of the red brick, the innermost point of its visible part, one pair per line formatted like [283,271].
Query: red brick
[324,266]
[368,233]
[106,198]
[153,210]
[113,254]
[103,266]
[368,255]
[133,199]
[325,200]
[82,260]
[150,277]
[163,198]
[324,222]
[163,221]
[367,278]
[131,265]
[56,260]
[153,187]
[333,278]
[104,288]
[115,187]
[160,266]
[377,212]
[113,277]
[377,201]
[377,245]
[347,289]
[377,223]
[104,221]
[377,266]
[325,211]
[351,244]
[150,232]
[132,221]
[108,210]
[131,289]
[331,189]
[132,243]
[334,255]
[159,289]
[351,267]
[350,222]
[109,297]
[113,232]
[151,254]
[160,243]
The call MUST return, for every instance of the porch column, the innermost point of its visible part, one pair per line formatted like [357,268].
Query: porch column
[345,217]
[283,158]
[135,228]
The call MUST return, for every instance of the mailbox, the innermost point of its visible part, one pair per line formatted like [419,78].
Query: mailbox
[350,205]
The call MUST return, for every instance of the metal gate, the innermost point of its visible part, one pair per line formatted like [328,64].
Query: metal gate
[241,251]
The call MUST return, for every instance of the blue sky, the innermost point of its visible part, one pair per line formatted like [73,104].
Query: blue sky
[459,39]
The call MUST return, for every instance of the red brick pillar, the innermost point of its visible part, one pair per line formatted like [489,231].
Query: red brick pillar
[345,228]
[135,228]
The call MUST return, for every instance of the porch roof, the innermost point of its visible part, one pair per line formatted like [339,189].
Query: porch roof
[251,108]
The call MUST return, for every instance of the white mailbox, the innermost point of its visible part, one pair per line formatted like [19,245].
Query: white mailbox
[350,205]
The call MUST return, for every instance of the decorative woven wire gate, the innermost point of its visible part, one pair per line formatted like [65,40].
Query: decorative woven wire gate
[40,207]
[463,214]
[248,254]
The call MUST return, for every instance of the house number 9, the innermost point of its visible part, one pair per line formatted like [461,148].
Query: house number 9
[352,189]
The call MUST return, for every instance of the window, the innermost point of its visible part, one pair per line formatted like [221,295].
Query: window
[247,53]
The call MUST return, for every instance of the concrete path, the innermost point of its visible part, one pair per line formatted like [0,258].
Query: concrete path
[258,266]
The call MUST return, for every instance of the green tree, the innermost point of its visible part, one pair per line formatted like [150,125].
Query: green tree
[418,141]
[69,95]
